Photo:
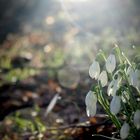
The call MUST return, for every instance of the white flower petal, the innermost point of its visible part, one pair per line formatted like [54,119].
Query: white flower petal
[90,98]
[94,70]
[137,119]
[103,78]
[91,111]
[115,105]
[124,132]
[113,87]
[90,101]
[110,63]
[133,77]
[129,70]
[110,90]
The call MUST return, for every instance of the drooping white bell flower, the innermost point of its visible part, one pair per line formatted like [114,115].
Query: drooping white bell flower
[111,63]
[90,101]
[94,70]
[133,77]
[124,132]
[103,78]
[137,119]
[113,87]
[91,110]
[90,98]
[115,105]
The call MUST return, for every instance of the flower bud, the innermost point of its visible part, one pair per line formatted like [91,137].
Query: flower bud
[124,132]
[115,104]
[110,63]
[90,101]
[133,77]
[91,110]
[94,70]
[137,119]
[103,78]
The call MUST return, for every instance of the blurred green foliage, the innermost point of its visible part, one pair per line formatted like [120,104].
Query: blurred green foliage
[15,65]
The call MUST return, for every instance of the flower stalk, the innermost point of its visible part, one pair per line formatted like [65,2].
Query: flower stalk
[118,79]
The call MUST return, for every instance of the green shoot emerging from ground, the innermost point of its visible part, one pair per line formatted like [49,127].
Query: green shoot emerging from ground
[117,91]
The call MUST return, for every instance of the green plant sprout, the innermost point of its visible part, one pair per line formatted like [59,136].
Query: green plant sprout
[117,91]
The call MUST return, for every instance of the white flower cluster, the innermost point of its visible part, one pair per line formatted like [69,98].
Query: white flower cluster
[114,78]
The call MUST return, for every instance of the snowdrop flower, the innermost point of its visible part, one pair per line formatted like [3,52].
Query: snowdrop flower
[90,98]
[90,101]
[91,111]
[124,132]
[113,87]
[103,78]
[94,70]
[115,104]
[133,77]
[137,119]
[110,63]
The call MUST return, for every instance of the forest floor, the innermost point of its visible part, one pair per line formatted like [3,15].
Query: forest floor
[30,110]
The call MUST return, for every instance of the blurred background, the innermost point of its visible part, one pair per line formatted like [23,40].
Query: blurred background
[46,47]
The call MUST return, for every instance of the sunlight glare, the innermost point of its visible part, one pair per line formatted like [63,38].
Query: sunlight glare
[74,1]
[50,20]
[47,48]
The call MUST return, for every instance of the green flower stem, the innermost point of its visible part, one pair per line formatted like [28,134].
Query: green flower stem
[110,75]
[111,116]
[104,103]
[127,114]
[127,60]
[138,91]
[132,98]
[120,55]
[102,55]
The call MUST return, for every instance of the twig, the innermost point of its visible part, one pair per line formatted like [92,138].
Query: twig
[80,125]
